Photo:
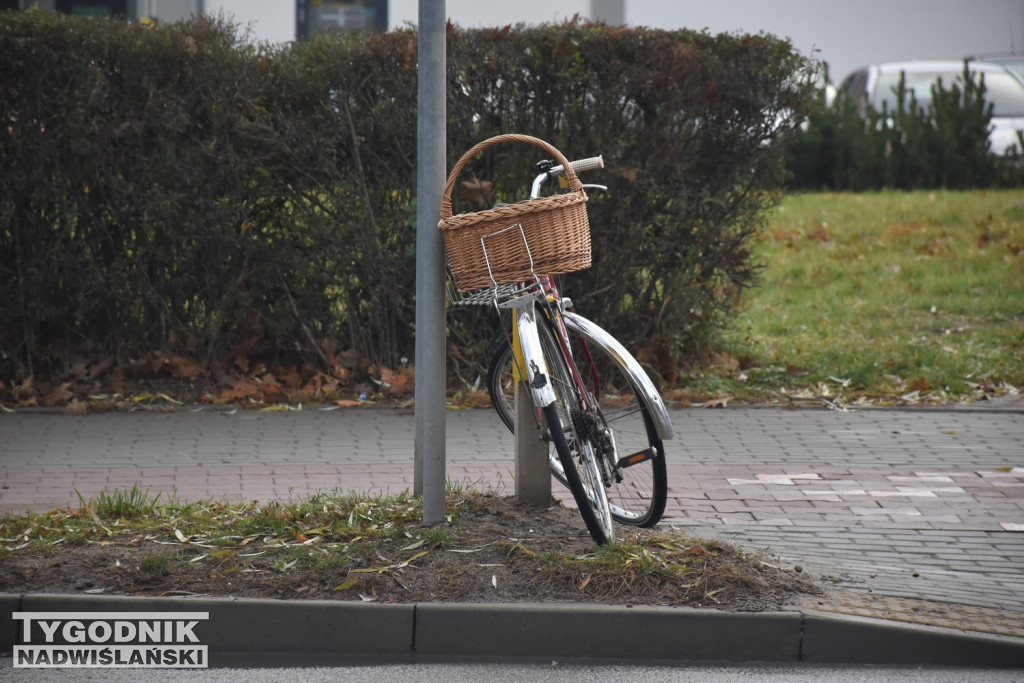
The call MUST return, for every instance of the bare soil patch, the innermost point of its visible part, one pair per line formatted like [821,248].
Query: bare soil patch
[493,549]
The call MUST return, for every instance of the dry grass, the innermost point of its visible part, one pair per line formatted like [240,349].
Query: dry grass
[491,549]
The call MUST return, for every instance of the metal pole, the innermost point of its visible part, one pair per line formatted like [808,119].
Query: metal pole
[429,463]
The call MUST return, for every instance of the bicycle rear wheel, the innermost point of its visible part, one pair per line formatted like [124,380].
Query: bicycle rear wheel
[638,492]
[570,434]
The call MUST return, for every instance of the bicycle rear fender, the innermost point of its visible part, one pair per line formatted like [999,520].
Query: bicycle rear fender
[641,382]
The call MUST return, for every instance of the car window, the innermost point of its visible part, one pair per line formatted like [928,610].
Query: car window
[1001,89]
[1015,65]
[856,85]
[917,84]
[1005,93]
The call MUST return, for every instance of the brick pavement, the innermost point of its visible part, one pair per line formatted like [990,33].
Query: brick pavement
[910,514]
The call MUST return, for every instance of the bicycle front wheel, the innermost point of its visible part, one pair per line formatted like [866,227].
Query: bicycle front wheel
[567,427]
[637,492]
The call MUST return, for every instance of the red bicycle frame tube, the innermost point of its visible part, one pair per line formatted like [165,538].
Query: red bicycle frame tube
[552,295]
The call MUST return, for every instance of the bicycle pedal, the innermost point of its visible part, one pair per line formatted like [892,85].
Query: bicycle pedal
[636,458]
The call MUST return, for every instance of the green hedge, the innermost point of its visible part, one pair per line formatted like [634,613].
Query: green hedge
[172,188]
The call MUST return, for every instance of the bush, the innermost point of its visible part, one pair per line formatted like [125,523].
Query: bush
[691,127]
[942,145]
[172,191]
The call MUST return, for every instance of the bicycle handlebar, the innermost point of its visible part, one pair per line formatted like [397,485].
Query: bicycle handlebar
[580,165]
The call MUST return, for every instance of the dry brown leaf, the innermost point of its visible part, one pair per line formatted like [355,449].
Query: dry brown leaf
[306,392]
[271,388]
[474,399]
[116,381]
[183,367]
[59,395]
[243,388]
[79,408]
[242,363]
[656,353]
[338,369]
[904,229]
[402,382]
[819,234]
[78,370]
[327,383]
[784,235]
[724,360]
[291,380]
[26,394]
[920,384]
[476,192]
[100,368]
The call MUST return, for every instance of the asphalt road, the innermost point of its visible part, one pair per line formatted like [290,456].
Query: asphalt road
[540,673]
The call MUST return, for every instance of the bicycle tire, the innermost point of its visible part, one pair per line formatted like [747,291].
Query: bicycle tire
[580,466]
[638,493]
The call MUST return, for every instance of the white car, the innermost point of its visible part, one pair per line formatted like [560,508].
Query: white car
[876,85]
[1013,61]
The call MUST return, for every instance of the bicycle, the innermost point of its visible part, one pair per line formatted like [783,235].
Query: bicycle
[594,405]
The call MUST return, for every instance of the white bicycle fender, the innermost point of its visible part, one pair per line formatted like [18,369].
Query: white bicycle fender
[641,382]
[538,377]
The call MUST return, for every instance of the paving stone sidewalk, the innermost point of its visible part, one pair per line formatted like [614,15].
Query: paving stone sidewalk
[915,515]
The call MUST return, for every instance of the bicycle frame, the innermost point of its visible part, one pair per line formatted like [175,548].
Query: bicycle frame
[526,343]
[566,322]
[524,331]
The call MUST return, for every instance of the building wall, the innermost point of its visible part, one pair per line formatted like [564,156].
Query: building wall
[168,11]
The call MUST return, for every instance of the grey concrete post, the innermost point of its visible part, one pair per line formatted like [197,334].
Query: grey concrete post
[533,478]
[429,458]
[611,12]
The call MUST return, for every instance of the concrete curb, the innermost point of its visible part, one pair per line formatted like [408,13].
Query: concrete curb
[294,632]
[603,632]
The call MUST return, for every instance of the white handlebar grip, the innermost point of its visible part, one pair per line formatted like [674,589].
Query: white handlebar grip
[590,164]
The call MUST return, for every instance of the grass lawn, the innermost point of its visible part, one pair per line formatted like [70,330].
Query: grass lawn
[911,297]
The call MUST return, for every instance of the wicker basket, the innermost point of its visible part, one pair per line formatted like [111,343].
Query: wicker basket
[555,228]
